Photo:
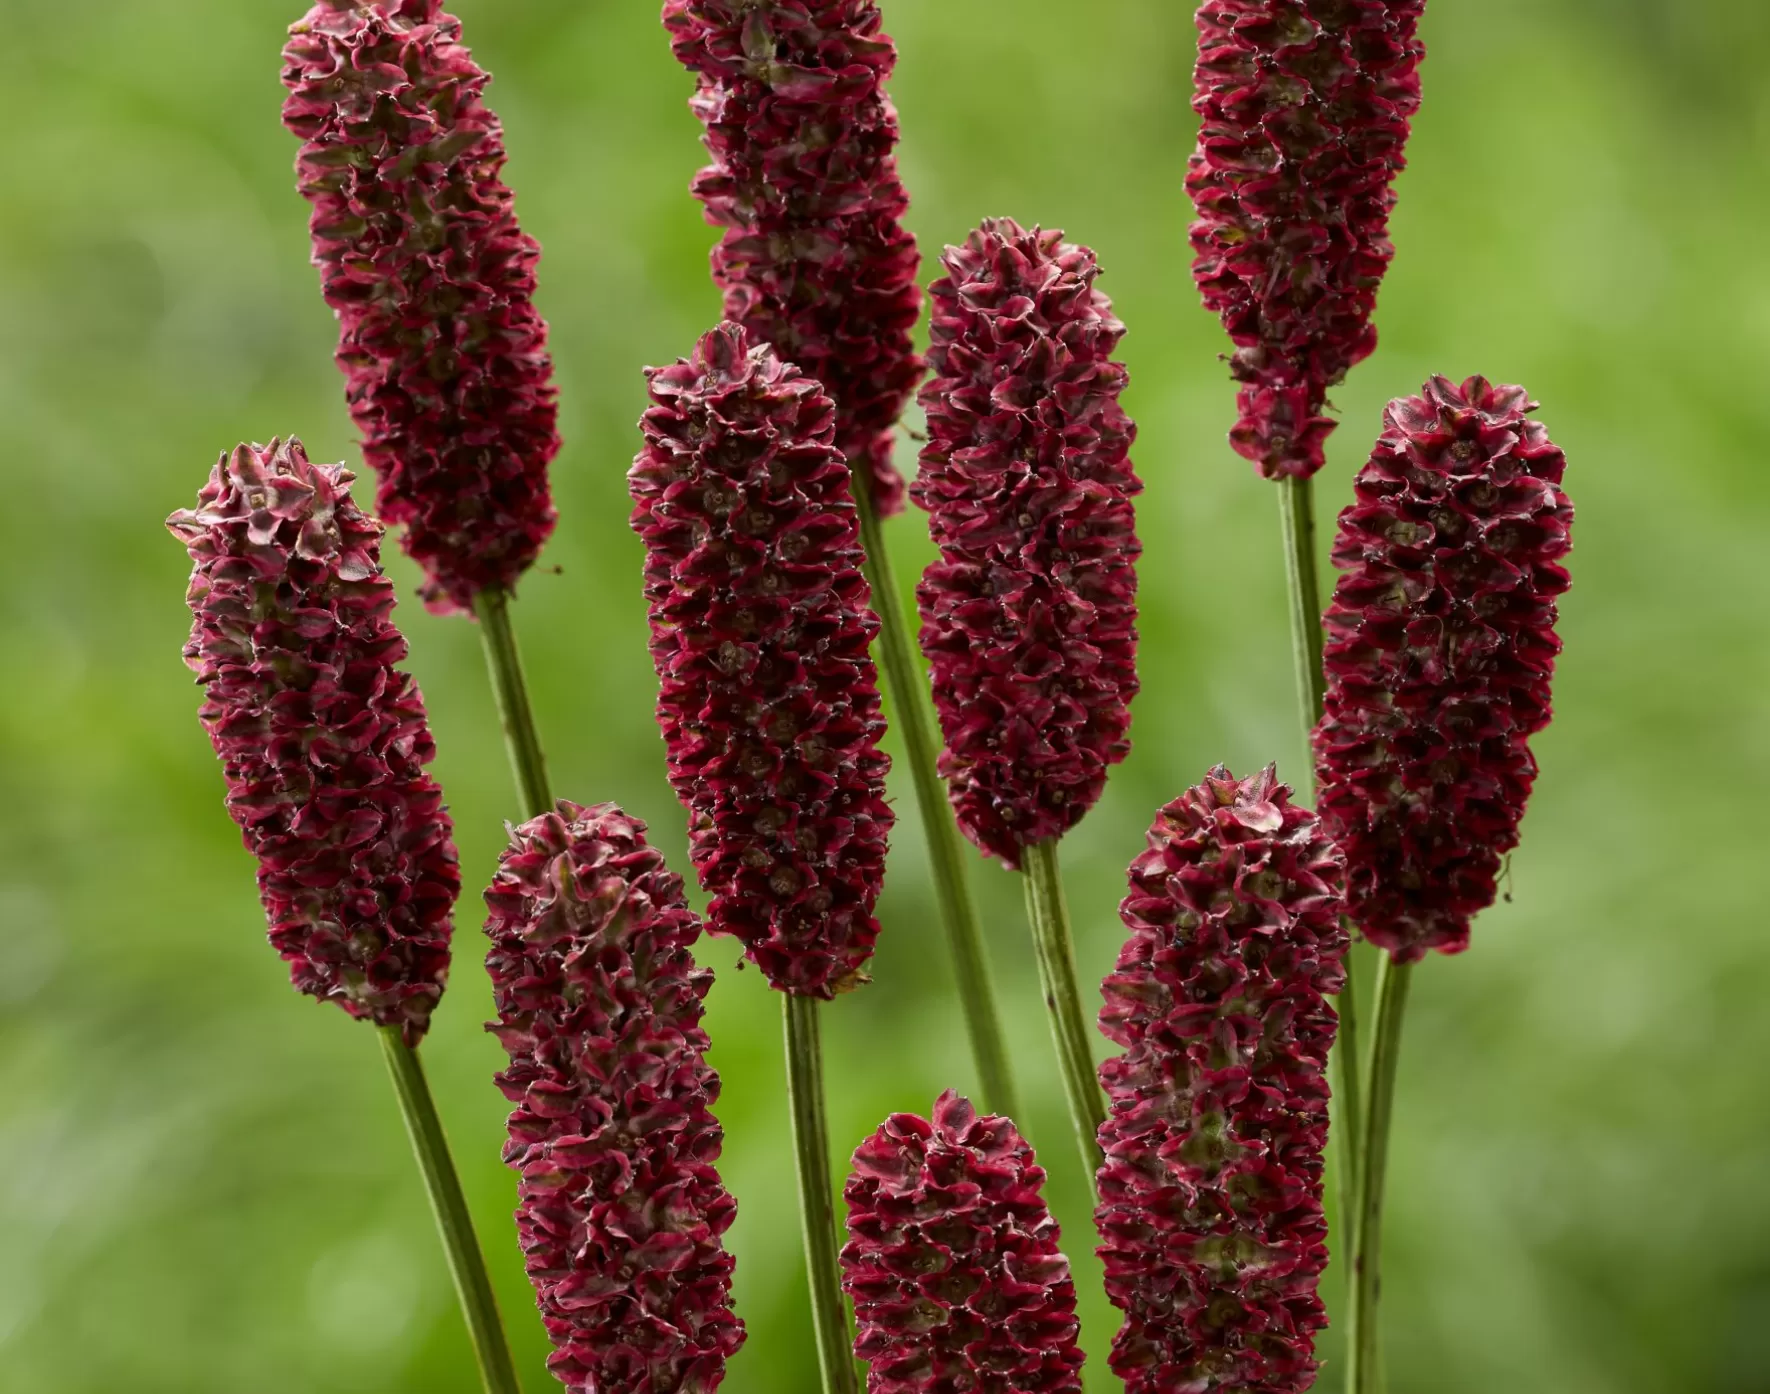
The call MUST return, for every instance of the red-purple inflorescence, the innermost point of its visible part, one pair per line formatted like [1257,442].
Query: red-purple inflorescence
[433,283]
[323,740]
[769,703]
[620,1208]
[1304,108]
[1029,615]
[1440,648]
[952,1261]
[814,258]
[1210,1194]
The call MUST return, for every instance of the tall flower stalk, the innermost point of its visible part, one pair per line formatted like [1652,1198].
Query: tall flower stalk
[1029,615]
[1441,649]
[323,740]
[814,260]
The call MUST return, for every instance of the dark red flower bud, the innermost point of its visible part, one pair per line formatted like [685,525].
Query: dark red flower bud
[952,1260]
[433,283]
[1029,616]
[322,739]
[1304,108]
[760,626]
[1440,647]
[620,1208]
[1210,1195]
[815,259]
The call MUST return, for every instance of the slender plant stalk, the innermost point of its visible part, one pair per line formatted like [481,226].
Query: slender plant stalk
[1055,947]
[511,690]
[1363,1330]
[1297,509]
[472,1283]
[817,1211]
[946,851]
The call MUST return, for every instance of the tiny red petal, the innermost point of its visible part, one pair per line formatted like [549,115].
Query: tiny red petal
[952,1260]
[1210,1195]
[433,283]
[1029,616]
[322,738]
[1441,646]
[1304,108]
[620,1208]
[814,258]
[760,623]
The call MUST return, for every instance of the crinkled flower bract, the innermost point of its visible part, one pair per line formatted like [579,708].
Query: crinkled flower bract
[1440,647]
[433,283]
[1304,108]
[814,259]
[322,738]
[1029,615]
[1210,1194]
[769,703]
[620,1208]
[952,1261]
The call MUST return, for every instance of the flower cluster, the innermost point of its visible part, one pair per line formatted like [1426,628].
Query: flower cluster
[1029,615]
[620,1210]
[769,703]
[432,281]
[1304,108]
[814,259]
[1441,645]
[323,740]
[952,1261]
[1210,1194]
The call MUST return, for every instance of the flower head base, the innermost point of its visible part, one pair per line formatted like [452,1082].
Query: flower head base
[952,1261]
[1029,616]
[1305,107]
[769,703]
[815,259]
[1441,644]
[322,739]
[620,1209]
[1210,1195]
[433,284]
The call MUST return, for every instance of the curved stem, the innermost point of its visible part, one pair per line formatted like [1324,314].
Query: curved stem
[473,1286]
[946,853]
[817,1212]
[1054,945]
[511,690]
[1363,1331]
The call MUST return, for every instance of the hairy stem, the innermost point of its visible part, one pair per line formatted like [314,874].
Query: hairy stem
[946,850]
[1363,1329]
[511,690]
[473,1286]
[1054,945]
[811,1148]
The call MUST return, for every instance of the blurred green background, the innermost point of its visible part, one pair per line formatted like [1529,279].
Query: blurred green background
[204,1186]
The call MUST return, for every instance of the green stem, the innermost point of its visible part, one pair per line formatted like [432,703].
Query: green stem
[817,1212]
[1363,1329]
[1055,948]
[510,689]
[472,1284]
[946,852]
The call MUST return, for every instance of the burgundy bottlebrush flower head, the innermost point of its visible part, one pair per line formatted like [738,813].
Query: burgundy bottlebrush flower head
[1440,647]
[814,259]
[769,703]
[620,1210]
[1304,108]
[433,283]
[952,1260]
[1029,615]
[323,740]
[1210,1194]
